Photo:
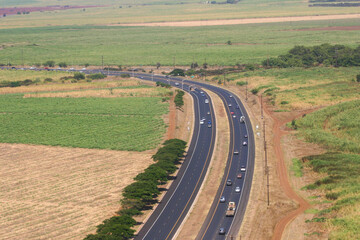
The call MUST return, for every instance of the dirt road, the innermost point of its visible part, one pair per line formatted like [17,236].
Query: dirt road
[240,21]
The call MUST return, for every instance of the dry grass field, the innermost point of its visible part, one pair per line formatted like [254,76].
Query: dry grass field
[61,193]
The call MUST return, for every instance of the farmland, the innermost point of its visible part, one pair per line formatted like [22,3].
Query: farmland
[118,118]
[337,129]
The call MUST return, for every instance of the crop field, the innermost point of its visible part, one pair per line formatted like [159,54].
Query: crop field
[61,193]
[338,129]
[301,88]
[250,43]
[126,123]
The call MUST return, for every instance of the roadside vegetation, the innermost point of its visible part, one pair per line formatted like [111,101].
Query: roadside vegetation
[142,193]
[337,128]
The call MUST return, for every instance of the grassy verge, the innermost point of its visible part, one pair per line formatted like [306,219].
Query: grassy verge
[296,167]
[338,129]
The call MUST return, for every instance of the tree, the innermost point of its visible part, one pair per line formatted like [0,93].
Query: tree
[49,64]
[153,174]
[177,72]
[205,65]
[63,64]
[229,42]
[79,75]
[142,190]
[358,78]
[158,65]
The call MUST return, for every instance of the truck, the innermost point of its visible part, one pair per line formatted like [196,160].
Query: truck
[230,212]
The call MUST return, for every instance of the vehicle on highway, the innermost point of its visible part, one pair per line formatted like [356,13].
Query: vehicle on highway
[243,169]
[242,119]
[222,199]
[71,69]
[83,69]
[239,176]
[206,100]
[201,92]
[32,68]
[245,136]
[230,212]
[201,122]
[232,113]
[230,105]
[230,96]
[208,113]
[234,116]
[222,231]
[209,125]
[237,189]
[237,107]
[229,182]
[176,84]
[236,152]
[244,143]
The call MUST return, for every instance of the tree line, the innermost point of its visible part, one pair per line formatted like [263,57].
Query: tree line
[142,193]
[324,54]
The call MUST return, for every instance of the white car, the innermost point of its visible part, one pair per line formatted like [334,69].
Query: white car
[201,122]
[237,189]
[206,100]
[234,116]
[243,169]
[244,143]
[71,69]
[230,105]
[32,68]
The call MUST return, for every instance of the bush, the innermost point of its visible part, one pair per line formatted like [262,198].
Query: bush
[358,78]
[179,102]
[177,72]
[125,75]
[63,65]
[79,76]
[48,80]
[255,91]
[96,76]
[241,83]
[49,64]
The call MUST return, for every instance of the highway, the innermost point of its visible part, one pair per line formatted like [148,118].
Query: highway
[168,216]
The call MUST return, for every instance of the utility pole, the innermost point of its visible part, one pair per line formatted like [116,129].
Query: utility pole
[152,76]
[261,103]
[224,77]
[246,91]
[22,57]
[102,62]
[174,61]
[266,170]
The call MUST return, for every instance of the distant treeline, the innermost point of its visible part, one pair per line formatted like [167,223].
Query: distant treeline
[341,4]
[325,54]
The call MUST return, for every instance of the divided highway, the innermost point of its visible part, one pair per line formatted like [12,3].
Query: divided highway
[173,208]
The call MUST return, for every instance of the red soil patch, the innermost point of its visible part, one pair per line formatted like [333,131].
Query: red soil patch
[15,10]
[348,28]
[279,132]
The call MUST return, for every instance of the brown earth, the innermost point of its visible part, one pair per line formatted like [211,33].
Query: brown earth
[198,212]
[15,10]
[61,193]
[240,21]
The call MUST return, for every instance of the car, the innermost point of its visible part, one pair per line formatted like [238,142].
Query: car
[244,143]
[243,169]
[203,118]
[71,69]
[13,67]
[232,113]
[237,189]
[177,84]
[209,122]
[242,119]
[222,199]
[166,76]
[229,182]
[234,116]
[230,96]
[206,100]
[83,69]
[236,152]
[222,231]
[59,68]
[201,122]
[245,136]
[239,176]
[208,112]
[32,68]
[237,107]
[230,105]
[209,125]
[143,78]
[201,92]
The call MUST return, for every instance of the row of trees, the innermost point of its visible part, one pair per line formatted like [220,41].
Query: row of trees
[325,54]
[179,101]
[141,194]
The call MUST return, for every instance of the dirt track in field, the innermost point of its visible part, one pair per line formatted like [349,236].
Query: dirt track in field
[240,21]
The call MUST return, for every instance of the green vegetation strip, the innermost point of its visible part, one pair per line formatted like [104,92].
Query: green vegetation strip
[141,194]
[296,167]
[132,124]
[338,129]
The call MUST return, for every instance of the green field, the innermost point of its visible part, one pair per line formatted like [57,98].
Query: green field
[133,124]
[148,45]
[337,128]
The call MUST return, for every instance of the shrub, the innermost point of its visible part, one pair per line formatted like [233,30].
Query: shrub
[63,65]
[79,76]
[179,102]
[96,76]
[125,75]
[255,91]
[49,64]
[48,80]
[358,78]
[241,83]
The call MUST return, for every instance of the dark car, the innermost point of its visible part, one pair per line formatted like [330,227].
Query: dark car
[228,182]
